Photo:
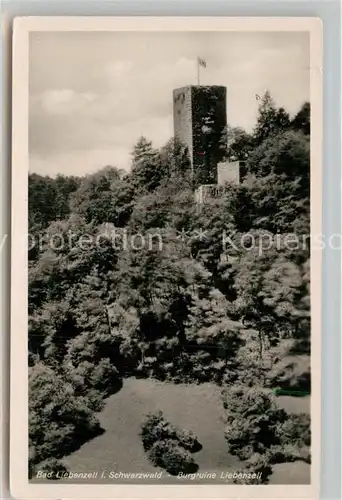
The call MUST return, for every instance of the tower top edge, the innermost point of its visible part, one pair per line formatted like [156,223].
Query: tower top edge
[200,87]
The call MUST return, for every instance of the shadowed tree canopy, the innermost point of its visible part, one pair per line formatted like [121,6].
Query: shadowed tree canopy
[140,281]
[175,159]
[271,120]
[238,143]
[147,168]
[105,196]
[301,120]
[48,199]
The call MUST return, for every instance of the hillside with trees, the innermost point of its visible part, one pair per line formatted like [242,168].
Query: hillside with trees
[127,279]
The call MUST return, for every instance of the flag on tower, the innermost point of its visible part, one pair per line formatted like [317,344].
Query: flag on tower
[202,62]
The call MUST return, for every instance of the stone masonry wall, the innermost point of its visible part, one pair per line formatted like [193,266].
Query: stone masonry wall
[182,121]
[228,172]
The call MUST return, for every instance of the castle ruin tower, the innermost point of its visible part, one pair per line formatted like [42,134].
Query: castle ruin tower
[200,118]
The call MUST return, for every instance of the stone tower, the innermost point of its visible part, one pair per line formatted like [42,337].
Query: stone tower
[200,117]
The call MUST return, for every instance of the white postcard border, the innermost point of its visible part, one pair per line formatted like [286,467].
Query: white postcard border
[20,486]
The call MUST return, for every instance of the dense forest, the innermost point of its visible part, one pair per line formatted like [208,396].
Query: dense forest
[172,308]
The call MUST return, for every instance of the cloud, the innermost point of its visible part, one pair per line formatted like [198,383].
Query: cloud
[118,69]
[65,101]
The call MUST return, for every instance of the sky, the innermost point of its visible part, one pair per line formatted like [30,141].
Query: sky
[92,95]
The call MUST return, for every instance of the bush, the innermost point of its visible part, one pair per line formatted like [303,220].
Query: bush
[279,455]
[95,400]
[53,468]
[156,428]
[252,419]
[260,464]
[168,455]
[291,372]
[167,446]
[188,440]
[105,377]
[60,421]
[32,470]
[252,477]
[304,453]
[257,431]
[294,436]
[295,430]
[101,376]
[289,453]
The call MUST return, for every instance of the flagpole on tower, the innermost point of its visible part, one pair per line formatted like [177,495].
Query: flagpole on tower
[200,62]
